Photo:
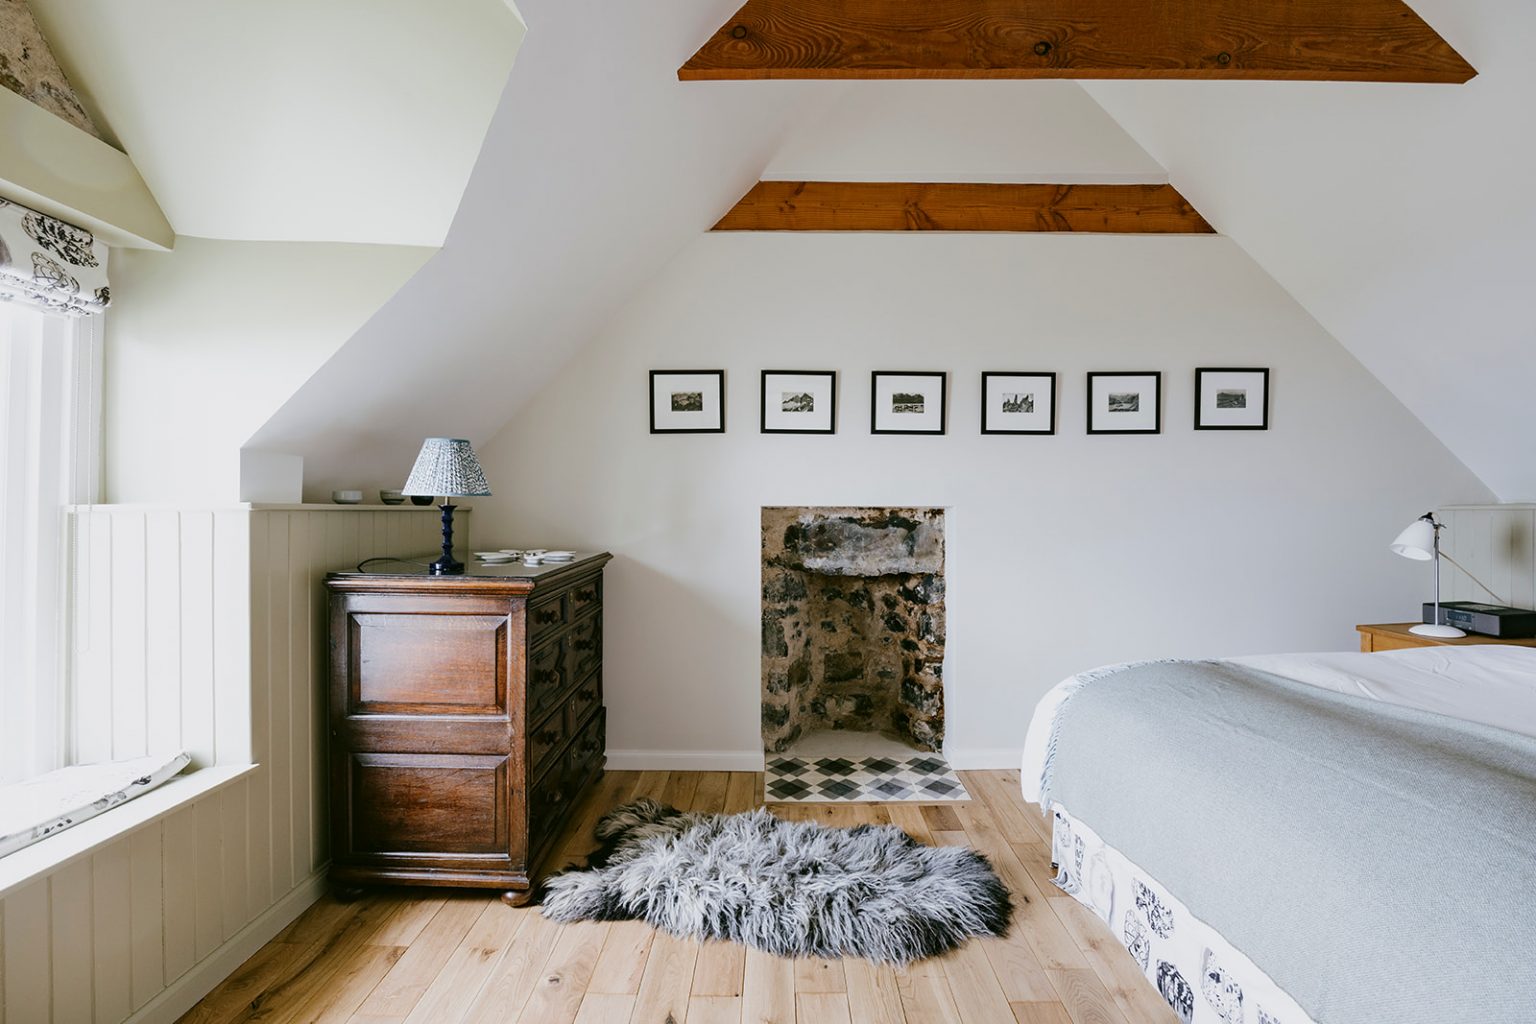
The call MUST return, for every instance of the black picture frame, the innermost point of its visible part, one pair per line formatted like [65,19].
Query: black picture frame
[830,375]
[719,385]
[987,376]
[874,406]
[1263,374]
[1157,384]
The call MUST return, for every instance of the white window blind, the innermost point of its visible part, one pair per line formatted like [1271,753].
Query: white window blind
[49,458]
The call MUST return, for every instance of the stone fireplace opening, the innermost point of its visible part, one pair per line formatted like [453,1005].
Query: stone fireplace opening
[853,630]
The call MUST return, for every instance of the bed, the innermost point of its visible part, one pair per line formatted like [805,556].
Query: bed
[1305,839]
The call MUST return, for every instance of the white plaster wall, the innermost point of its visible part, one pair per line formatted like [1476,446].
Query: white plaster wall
[1064,552]
[205,342]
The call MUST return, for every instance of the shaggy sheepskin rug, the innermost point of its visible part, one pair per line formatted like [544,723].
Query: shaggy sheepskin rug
[793,889]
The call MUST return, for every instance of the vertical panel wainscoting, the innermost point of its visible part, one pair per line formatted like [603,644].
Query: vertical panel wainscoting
[1497,544]
[202,630]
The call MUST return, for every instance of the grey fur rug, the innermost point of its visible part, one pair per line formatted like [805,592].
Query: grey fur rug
[793,889]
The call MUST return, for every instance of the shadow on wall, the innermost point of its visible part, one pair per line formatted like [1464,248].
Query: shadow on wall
[646,691]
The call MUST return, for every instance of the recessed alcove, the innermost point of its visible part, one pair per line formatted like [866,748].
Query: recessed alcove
[852,629]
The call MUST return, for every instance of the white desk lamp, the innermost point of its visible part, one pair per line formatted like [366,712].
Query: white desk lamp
[1421,542]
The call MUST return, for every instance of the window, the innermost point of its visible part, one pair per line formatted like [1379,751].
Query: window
[49,459]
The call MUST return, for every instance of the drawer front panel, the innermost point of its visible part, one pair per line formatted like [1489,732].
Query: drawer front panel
[586,752]
[588,696]
[427,803]
[584,646]
[586,597]
[426,664]
[546,678]
[547,615]
[544,739]
[547,803]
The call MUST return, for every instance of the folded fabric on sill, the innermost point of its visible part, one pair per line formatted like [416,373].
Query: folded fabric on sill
[33,810]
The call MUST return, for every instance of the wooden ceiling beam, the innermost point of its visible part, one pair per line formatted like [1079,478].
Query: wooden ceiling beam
[931,206]
[1315,40]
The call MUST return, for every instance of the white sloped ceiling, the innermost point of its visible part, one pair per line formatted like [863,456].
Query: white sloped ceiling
[1401,216]
[1395,213]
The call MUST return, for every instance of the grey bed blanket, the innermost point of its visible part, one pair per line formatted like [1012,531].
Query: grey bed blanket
[1377,862]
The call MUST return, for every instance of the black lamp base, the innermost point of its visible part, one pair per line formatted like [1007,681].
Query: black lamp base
[447,565]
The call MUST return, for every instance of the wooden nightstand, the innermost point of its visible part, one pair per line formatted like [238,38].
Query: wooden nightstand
[1394,636]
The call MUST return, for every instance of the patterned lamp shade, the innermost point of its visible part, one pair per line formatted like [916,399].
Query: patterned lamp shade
[447,466]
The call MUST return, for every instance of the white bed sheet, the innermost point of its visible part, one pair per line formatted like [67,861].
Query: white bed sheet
[1489,683]
[1203,977]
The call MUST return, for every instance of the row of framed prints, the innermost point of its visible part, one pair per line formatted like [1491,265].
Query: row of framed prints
[805,401]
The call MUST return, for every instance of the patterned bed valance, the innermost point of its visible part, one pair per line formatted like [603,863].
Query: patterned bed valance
[47,263]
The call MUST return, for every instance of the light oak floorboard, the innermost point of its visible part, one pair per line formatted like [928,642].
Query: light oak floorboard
[414,956]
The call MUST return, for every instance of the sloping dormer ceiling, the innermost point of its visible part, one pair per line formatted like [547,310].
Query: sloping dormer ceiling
[288,120]
[1395,213]
[1402,217]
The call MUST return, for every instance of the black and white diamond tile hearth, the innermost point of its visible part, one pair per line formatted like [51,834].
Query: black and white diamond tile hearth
[926,778]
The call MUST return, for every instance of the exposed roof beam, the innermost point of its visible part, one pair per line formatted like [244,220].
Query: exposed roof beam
[1321,40]
[930,206]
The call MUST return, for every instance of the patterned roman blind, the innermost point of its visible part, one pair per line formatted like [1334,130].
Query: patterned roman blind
[49,264]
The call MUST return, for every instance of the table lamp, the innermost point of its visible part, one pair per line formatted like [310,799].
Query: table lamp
[1421,542]
[447,467]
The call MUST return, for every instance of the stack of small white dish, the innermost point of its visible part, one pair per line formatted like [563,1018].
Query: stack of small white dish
[528,556]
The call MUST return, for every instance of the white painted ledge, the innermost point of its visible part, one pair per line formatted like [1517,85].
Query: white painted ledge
[57,851]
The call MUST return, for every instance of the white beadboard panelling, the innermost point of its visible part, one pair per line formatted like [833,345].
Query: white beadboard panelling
[28,966]
[179,892]
[232,637]
[112,932]
[205,630]
[146,916]
[197,635]
[234,834]
[208,899]
[162,621]
[91,703]
[69,906]
[1497,544]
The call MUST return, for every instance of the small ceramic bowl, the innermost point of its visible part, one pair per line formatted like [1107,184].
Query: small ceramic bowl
[392,497]
[347,497]
[421,499]
[492,554]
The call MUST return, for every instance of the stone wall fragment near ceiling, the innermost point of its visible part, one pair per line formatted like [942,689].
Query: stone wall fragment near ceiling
[28,67]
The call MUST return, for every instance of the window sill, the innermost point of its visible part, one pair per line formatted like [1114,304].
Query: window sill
[82,840]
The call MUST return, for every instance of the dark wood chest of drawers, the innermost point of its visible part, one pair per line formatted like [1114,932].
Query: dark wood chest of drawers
[466,720]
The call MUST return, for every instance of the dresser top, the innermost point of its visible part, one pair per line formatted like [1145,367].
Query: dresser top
[414,572]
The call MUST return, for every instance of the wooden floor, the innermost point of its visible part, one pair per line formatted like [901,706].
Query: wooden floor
[438,956]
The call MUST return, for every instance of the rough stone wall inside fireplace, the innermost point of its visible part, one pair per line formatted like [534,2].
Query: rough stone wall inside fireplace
[853,623]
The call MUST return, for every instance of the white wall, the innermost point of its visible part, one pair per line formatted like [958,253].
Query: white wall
[205,342]
[1064,552]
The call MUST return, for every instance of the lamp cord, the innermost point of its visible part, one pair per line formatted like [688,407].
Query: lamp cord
[363,565]
[1474,579]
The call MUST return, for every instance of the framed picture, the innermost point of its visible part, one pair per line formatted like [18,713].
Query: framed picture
[1231,399]
[799,402]
[687,401]
[907,403]
[1125,403]
[1018,403]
